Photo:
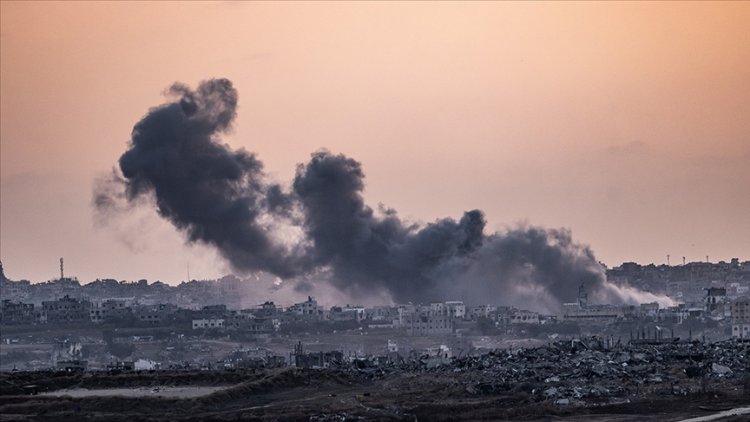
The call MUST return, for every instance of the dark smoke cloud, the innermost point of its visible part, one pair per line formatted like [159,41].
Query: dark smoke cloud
[365,250]
[211,193]
[538,267]
[220,197]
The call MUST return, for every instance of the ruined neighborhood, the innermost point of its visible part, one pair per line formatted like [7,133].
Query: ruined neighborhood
[76,336]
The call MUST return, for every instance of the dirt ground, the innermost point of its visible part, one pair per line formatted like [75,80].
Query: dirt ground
[335,395]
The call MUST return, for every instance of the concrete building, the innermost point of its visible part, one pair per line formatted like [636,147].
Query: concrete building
[740,311]
[592,313]
[344,313]
[207,323]
[524,317]
[385,314]
[308,309]
[715,299]
[456,309]
[67,309]
[16,313]
[482,311]
[110,308]
[247,322]
[427,324]
[154,314]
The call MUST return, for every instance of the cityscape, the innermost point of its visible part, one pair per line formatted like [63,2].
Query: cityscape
[710,303]
[374,211]
[216,326]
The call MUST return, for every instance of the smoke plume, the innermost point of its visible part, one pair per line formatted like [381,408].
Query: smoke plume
[219,196]
[213,194]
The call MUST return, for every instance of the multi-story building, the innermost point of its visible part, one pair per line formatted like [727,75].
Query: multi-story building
[244,321]
[524,317]
[592,313]
[715,299]
[740,311]
[456,309]
[425,323]
[67,309]
[483,311]
[381,313]
[111,308]
[308,309]
[16,312]
[208,323]
[155,314]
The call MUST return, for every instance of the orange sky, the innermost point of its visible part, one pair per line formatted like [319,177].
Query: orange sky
[627,122]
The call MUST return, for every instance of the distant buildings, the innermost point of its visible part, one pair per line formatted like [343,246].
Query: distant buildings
[685,283]
[708,292]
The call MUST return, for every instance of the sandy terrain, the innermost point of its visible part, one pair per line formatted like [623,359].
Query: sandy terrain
[157,391]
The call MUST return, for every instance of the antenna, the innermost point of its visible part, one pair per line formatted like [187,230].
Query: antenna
[667,259]
[62,273]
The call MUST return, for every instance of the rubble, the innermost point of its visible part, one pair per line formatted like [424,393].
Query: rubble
[559,378]
[573,372]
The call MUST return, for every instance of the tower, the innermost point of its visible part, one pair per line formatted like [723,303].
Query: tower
[62,274]
[583,297]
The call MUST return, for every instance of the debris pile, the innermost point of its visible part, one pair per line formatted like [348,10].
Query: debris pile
[582,370]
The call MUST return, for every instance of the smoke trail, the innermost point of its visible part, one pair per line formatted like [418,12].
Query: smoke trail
[220,197]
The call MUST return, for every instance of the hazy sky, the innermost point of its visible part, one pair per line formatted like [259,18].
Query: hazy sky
[628,123]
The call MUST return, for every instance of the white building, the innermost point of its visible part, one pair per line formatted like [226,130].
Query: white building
[524,317]
[307,309]
[426,324]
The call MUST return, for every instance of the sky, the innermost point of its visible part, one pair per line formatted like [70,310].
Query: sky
[628,123]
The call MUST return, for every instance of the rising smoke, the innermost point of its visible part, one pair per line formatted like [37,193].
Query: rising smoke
[211,193]
[221,197]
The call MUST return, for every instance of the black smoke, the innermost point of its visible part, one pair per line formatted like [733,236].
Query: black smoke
[213,194]
[365,250]
[220,197]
